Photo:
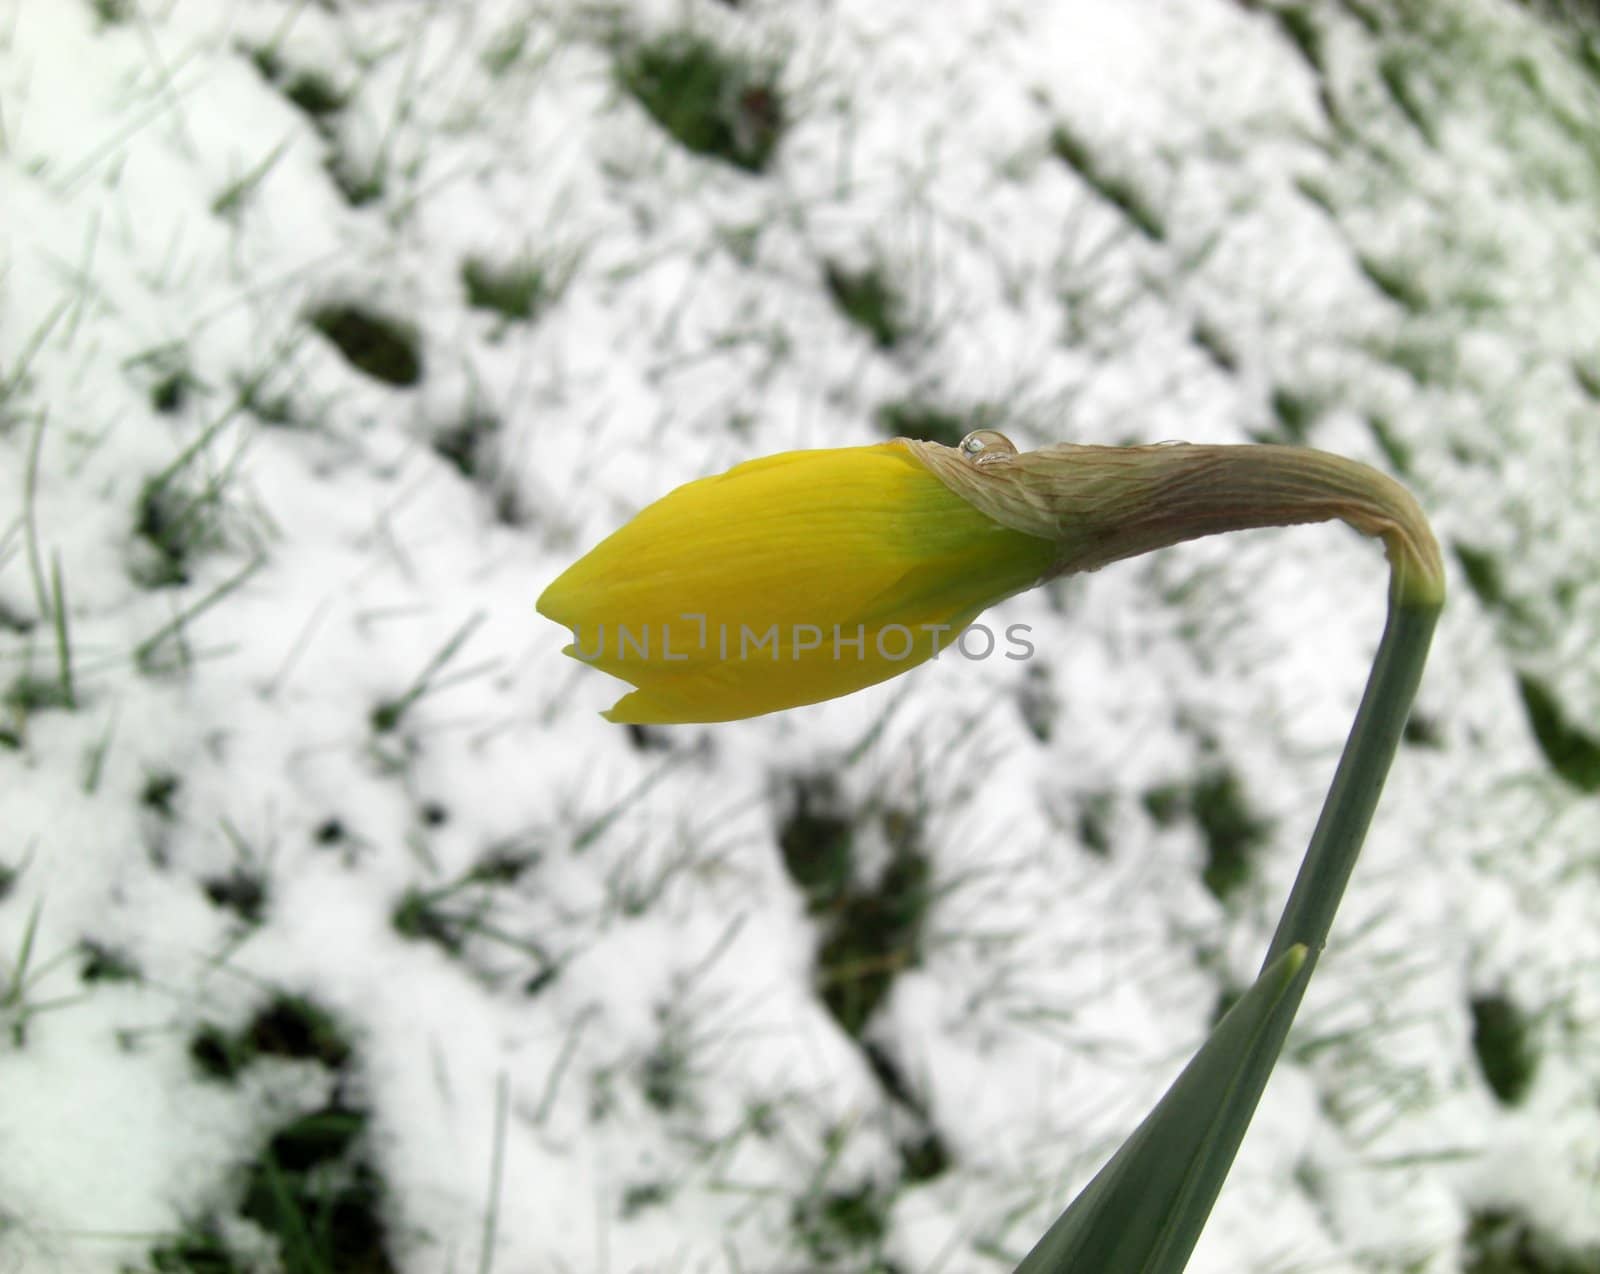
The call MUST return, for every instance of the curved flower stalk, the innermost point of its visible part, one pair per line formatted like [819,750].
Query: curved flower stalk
[913,535]
[1102,504]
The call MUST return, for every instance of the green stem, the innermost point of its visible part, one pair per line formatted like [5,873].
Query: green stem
[1318,889]
[1144,1211]
[1368,752]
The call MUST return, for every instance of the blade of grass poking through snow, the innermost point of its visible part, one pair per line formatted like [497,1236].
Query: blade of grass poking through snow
[497,1162]
[58,613]
[30,489]
[144,653]
[1144,1211]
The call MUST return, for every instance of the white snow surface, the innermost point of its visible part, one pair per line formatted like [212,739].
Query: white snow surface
[1386,241]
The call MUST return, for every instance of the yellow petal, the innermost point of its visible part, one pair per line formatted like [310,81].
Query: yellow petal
[746,592]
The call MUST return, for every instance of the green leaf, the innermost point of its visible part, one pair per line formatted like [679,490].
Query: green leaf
[1144,1210]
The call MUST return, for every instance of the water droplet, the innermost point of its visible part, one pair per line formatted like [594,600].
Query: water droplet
[985,446]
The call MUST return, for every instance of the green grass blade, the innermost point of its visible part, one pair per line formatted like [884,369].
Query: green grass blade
[58,614]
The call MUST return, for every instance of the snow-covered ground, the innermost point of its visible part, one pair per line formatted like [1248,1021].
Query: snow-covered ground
[337,929]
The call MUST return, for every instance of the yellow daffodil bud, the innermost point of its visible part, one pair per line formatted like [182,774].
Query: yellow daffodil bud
[786,581]
[811,574]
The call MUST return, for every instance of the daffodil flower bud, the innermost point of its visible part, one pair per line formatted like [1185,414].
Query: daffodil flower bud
[786,581]
[810,574]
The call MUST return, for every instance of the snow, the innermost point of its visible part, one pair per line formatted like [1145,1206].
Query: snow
[641,984]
